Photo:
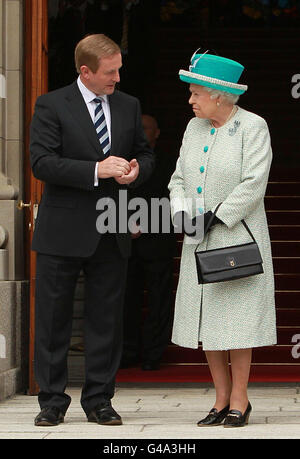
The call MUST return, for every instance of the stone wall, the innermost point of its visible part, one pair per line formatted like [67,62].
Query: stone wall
[14,309]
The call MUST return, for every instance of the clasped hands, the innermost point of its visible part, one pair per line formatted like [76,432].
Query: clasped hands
[190,225]
[120,169]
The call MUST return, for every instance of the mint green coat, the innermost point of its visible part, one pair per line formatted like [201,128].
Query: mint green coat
[230,165]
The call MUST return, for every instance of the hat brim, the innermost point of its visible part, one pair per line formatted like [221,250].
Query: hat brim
[202,80]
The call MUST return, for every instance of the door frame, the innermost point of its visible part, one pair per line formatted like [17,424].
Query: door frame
[36,83]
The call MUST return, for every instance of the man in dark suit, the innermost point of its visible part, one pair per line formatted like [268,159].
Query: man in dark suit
[150,266]
[87,145]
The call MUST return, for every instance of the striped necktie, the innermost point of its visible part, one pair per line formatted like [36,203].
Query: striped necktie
[101,127]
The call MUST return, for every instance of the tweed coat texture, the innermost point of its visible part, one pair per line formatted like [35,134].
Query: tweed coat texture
[230,165]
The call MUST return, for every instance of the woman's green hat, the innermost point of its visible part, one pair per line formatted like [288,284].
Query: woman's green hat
[215,72]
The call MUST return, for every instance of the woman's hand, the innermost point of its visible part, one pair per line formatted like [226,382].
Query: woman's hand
[190,226]
[206,217]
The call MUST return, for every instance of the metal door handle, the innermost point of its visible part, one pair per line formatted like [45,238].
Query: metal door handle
[22,205]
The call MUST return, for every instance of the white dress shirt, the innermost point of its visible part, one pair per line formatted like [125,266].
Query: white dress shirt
[89,97]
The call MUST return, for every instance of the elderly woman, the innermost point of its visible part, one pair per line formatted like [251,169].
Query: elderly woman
[225,158]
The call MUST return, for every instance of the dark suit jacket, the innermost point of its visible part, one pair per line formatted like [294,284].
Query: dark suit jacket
[156,246]
[64,150]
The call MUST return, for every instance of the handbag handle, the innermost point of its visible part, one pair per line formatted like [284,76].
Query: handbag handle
[213,216]
[243,221]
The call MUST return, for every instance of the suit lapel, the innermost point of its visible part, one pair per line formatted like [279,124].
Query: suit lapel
[80,113]
[116,123]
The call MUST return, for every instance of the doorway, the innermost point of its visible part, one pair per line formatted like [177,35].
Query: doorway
[164,41]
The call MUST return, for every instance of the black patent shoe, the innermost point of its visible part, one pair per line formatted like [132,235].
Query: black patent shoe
[49,416]
[104,414]
[214,417]
[236,419]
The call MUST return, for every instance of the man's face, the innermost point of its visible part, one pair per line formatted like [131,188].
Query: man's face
[103,82]
[151,129]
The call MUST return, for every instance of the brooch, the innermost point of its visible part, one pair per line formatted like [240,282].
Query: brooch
[233,130]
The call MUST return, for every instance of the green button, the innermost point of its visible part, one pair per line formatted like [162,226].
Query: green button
[202,169]
[201,211]
[205,148]
[199,189]
[212,131]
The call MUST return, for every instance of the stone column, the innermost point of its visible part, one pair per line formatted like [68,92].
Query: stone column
[13,287]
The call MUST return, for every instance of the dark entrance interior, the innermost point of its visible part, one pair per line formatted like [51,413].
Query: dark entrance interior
[157,38]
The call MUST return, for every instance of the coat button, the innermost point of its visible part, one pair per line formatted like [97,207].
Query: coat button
[199,189]
[212,131]
[202,169]
[205,149]
[201,211]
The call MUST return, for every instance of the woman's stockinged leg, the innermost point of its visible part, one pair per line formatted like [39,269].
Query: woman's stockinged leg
[240,369]
[219,369]
[229,390]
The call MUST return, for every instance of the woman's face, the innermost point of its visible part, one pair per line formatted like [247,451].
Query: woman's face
[203,105]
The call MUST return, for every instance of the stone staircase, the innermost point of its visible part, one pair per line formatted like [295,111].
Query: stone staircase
[269,59]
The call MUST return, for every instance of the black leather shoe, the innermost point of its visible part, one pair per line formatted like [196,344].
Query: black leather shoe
[104,414]
[49,416]
[150,365]
[214,417]
[236,419]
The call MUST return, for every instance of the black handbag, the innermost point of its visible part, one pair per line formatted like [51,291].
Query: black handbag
[228,263]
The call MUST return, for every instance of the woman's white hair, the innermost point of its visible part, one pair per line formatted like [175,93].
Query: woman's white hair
[214,93]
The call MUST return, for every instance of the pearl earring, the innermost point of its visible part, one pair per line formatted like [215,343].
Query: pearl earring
[218,104]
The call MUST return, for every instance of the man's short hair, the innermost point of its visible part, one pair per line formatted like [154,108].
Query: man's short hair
[90,50]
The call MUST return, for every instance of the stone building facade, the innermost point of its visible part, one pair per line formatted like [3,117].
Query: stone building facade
[14,303]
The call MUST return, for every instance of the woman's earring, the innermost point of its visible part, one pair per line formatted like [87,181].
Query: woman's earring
[218,104]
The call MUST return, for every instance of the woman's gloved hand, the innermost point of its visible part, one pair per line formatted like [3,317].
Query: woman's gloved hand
[207,216]
[189,226]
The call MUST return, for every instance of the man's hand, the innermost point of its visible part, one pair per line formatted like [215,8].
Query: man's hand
[113,166]
[125,179]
